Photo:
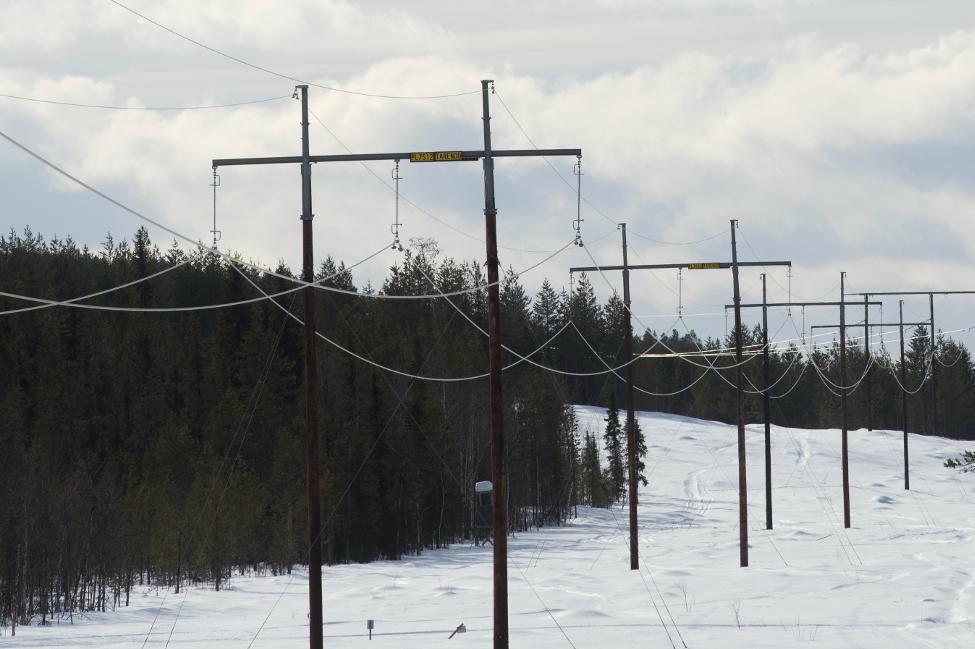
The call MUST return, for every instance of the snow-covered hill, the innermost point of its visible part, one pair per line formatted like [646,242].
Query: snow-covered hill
[903,576]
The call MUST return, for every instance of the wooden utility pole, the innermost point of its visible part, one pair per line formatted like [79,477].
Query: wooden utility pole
[626,268]
[934,366]
[766,409]
[866,349]
[843,415]
[498,474]
[900,328]
[740,402]
[632,449]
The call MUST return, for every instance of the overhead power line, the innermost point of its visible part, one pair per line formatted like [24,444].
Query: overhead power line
[74,104]
[280,74]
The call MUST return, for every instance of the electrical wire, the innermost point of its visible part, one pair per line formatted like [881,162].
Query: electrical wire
[102,195]
[146,108]
[74,302]
[280,74]
[91,295]
[418,377]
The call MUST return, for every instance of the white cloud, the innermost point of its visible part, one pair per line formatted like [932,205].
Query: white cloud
[818,147]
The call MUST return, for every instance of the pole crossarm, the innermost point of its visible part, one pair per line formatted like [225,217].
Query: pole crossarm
[759,305]
[447,156]
[876,293]
[708,265]
[926,323]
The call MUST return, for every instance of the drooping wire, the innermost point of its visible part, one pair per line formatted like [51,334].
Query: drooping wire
[285,76]
[395,227]
[74,104]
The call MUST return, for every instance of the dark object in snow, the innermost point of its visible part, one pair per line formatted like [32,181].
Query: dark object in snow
[370,624]
[460,629]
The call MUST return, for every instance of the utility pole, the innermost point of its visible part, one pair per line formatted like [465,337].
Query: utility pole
[765,409]
[866,349]
[934,366]
[843,415]
[631,437]
[712,265]
[742,475]
[907,474]
[498,474]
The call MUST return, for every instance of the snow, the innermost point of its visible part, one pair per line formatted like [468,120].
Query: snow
[903,576]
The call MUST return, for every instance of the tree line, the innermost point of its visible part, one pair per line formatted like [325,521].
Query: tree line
[162,449]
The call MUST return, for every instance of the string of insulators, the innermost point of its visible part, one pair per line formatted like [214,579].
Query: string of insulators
[215,232]
[394,228]
[577,224]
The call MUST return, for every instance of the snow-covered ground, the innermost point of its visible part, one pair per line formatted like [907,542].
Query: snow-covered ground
[903,576]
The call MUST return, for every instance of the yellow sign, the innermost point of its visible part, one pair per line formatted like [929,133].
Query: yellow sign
[708,265]
[436,156]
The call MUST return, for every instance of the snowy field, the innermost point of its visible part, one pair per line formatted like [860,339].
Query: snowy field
[903,576]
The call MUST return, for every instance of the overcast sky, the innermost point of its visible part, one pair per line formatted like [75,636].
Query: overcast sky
[839,133]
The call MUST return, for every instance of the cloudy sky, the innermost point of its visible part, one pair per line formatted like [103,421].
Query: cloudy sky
[840,133]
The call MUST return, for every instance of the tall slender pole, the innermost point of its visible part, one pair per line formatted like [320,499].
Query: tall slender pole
[907,475]
[742,476]
[765,410]
[631,437]
[498,474]
[315,626]
[866,349]
[934,365]
[846,464]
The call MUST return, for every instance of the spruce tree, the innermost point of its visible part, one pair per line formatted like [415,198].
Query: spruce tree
[614,447]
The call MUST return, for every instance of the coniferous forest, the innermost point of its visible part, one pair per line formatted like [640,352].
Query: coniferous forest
[165,448]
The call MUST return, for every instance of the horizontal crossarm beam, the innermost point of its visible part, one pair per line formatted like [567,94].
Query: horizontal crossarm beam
[447,156]
[850,325]
[873,294]
[759,305]
[707,265]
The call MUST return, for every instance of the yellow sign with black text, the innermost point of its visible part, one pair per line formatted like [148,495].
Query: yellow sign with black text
[709,265]
[436,156]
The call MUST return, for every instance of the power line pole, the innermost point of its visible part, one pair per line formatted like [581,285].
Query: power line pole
[907,475]
[740,400]
[631,436]
[498,476]
[934,366]
[315,614]
[843,393]
[498,473]
[765,410]
[866,349]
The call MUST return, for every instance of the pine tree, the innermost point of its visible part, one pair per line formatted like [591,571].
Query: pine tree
[614,446]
